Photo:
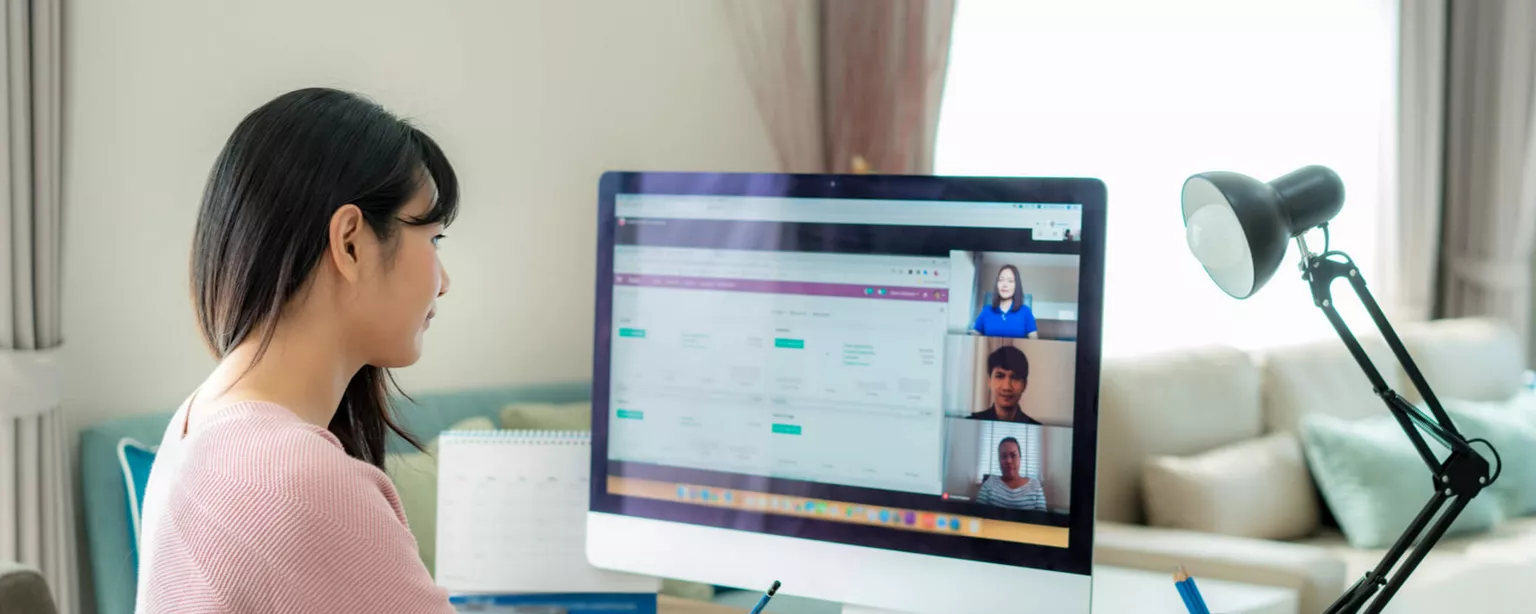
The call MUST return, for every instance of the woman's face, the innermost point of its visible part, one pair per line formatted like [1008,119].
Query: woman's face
[1005,284]
[398,294]
[1008,458]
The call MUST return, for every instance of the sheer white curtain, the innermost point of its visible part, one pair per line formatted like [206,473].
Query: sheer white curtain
[1144,94]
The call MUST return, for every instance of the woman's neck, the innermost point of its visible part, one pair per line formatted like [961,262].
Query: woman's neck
[1015,481]
[1005,305]
[304,369]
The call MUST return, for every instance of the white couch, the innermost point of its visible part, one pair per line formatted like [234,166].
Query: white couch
[1192,402]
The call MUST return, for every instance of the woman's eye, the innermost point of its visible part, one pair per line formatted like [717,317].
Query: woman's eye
[437,238]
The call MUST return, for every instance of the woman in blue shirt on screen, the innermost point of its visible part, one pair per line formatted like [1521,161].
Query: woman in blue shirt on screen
[1007,316]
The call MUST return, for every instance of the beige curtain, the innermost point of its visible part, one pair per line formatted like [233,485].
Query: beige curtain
[1489,216]
[1411,242]
[36,512]
[840,81]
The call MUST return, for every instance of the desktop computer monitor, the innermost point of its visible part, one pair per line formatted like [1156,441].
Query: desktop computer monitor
[879,390]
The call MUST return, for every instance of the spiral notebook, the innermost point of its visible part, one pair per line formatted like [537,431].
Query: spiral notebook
[512,515]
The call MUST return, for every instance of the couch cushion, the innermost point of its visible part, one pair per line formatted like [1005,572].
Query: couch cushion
[1510,427]
[576,416]
[1322,376]
[104,503]
[1258,488]
[1486,573]
[429,413]
[1374,480]
[1513,541]
[1178,404]
[136,459]
[1472,359]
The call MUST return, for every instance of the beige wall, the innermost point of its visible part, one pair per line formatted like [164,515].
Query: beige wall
[532,100]
[1057,441]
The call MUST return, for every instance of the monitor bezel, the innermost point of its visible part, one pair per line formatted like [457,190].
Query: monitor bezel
[1088,192]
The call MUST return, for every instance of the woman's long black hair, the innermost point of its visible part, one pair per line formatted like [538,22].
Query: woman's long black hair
[265,217]
[997,298]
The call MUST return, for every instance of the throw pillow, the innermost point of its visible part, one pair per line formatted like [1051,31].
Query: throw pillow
[547,416]
[474,423]
[135,459]
[1374,481]
[1510,426]
[1258,488]
[415,477]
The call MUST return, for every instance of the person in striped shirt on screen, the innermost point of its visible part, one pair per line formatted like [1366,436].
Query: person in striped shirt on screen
[1010,489]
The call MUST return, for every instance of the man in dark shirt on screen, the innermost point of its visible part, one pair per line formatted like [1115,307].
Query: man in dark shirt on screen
[1007,377]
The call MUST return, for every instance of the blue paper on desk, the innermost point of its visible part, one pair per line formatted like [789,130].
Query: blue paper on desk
[557,603]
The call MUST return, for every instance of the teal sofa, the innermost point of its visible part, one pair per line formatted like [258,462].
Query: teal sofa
[105,498]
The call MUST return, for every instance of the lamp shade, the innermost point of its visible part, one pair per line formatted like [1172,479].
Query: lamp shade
[1238,226]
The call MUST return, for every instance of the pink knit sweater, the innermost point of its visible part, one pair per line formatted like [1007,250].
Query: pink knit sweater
[256,510]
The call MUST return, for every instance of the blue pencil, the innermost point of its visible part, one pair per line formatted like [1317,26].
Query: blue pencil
[1183,589]
[1194,593]
[1191,594]
[763,602]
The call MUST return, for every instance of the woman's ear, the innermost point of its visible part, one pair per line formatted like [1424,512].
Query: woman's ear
[347,226]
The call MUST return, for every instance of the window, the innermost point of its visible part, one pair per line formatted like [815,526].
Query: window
[1144,94]
[1028,436]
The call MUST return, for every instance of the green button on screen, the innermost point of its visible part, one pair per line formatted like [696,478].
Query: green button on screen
[638,333]
[787,429]
[793,344]
[631,414]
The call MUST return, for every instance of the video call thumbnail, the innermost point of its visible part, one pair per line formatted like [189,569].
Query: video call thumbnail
[1018,295]
[1009,465]
[1027,381]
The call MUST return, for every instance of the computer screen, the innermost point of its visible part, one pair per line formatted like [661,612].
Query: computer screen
[846,364]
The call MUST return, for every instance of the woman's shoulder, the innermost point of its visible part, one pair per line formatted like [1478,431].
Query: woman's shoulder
[265,446]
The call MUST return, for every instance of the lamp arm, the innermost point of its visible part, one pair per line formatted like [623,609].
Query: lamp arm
[1461,476]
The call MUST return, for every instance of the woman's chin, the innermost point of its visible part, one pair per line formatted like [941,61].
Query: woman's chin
[404,357]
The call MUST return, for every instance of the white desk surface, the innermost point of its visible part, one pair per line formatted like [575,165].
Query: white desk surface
[1117,590]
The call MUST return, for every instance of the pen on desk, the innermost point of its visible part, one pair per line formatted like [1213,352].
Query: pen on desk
[1192,599]
[763,603]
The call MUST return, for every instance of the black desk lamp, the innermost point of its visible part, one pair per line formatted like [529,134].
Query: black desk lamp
[1238,228]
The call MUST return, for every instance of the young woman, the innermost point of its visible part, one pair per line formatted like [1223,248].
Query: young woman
[314,269]
[1007,316]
